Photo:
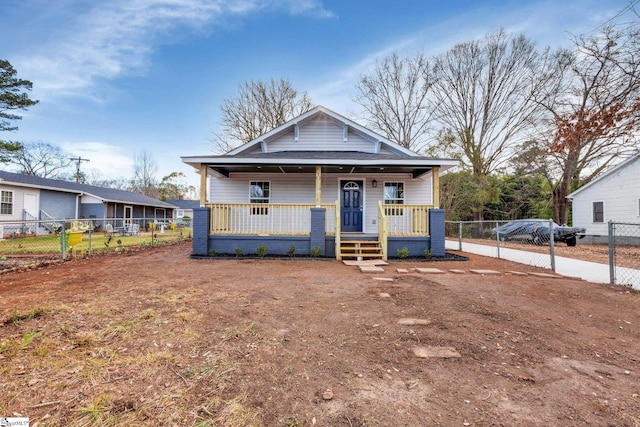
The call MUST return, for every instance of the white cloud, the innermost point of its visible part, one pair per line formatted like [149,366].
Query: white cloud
[106,159]
[108,39]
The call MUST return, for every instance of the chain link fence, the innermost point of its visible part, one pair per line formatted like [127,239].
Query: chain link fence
[25,243]
[528,242]
[624,263]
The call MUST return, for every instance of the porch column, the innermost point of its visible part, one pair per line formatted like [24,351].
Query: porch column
[203,185]
[318,186]
[435,173]
[201,222]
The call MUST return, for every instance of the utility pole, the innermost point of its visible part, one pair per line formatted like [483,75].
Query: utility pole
[78,161]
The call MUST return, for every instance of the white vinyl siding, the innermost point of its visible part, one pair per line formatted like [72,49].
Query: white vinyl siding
[321,135]
[620,193]
[300,188]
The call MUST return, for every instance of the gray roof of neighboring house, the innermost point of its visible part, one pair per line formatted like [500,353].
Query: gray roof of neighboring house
[106,194]
[184,204]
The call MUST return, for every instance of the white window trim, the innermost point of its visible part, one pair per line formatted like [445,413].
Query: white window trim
[266,210]
[404,186]
[592,212]
[397,212]
[13,201]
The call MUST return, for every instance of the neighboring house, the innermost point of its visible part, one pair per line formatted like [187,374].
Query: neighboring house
[184,208]
[25,197]
[613,196]
[319,181]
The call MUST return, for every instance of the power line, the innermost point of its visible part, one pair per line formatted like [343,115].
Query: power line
[78,161]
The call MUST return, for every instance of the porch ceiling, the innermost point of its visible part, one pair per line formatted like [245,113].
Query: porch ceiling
[329,161]
[225,170]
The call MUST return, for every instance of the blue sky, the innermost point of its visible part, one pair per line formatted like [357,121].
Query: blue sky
[116,77]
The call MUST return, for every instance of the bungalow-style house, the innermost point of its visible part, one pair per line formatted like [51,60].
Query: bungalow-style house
[321,184]
[25,197]
[613,196]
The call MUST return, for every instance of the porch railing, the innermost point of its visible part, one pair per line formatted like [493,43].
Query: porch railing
[267,218]
[406,220]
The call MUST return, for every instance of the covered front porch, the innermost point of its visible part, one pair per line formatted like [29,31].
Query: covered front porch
[376,227]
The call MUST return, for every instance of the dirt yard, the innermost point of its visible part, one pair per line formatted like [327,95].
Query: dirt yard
[158,339]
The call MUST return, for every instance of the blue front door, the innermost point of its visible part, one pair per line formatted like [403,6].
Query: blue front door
[351,206]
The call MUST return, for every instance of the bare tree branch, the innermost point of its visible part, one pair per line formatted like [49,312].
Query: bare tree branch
[258,108]
[394,96]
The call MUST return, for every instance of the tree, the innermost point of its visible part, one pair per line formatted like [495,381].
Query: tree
[463,194]
[174,186]
[593,111]
[144,179]
[41,159]
[395,98]
[13,96]
[258,108]
[484,94]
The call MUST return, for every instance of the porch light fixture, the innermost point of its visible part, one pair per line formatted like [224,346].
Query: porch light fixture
[374,183]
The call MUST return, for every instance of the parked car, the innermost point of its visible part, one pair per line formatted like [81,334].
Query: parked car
[536,231]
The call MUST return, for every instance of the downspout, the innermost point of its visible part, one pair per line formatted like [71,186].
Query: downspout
[77,214]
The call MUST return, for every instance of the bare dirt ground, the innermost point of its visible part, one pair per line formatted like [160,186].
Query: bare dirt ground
[155,338]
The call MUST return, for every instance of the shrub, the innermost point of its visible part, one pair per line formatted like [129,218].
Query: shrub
[238,250]
[427,252]
[315,251]
[261,250]
[291,250]
[403,253]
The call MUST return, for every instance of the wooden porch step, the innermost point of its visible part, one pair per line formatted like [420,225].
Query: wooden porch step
[360,249]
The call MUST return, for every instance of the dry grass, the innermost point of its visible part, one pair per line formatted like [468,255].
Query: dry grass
[89,360]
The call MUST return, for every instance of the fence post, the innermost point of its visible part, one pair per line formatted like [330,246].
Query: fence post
[459,235]
[498,239]
[552,248]
[63,241]
[612,249]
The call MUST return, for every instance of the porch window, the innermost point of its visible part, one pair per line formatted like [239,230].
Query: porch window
[259,193]
[598,211]
[6,203]
[394,195]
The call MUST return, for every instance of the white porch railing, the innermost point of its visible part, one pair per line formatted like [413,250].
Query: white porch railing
[267,218]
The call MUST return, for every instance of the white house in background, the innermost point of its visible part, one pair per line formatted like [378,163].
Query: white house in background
[613,196]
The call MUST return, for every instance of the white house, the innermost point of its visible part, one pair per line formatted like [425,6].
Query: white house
[613,196]
[319,174]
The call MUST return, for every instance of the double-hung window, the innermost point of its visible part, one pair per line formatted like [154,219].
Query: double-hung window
[259,193]
[598,211]
[6,202]
[394,195]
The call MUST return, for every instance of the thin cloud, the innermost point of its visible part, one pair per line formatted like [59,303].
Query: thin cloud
[116,38]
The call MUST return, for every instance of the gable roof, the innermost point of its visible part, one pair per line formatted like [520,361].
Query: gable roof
[385,155]
[606,174]
[102,193]
[315,112]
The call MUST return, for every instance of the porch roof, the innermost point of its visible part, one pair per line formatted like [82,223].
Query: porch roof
[330,161]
